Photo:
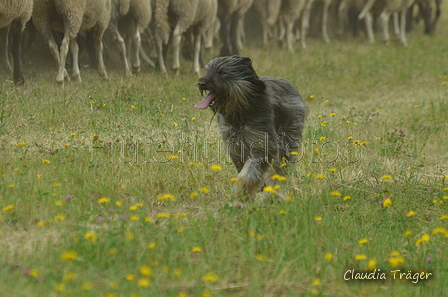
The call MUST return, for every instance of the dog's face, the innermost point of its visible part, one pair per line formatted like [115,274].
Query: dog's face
[226,83]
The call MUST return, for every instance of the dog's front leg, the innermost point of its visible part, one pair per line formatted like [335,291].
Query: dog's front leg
[251,178]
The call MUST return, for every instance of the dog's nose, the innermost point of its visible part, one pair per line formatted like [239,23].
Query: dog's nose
[201,84]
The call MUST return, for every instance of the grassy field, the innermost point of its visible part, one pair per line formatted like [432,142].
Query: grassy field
[122,188]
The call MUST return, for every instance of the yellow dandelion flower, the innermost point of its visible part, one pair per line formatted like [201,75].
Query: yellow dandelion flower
[41,223]
[135,217]
[320,176]
[410,213]
[129,236]
[163,215]
[39,176]
[348,122]
[364,143]
[73,134]
[362,241]
[372,265]
[34,273]
[347,198]
[8,208]
[204,190]
[444,217]
[152,245]
[439,230]
[282,211]
[133,107]
[111,294]
[216,168]
[396,261]
[269,189]
[316,282]
[356,141]
[322,138]
[336,194]
[319,116]
[407,233]
[210,278]
[59,217]
[148,219]
[68,276]
[332,169]
[378,138]
[279,177]
[415,106]
[360,257]
[326,101]
[177,271]
[59,287]
[181,229]
[349,138]
[69,256]
[328,256]
[193,118]
[260,257]
[90,236]
[87,286]
[130,277]
[145,270]
[332,114]
[174,123]
[318,218]
[196,249]
[193,195]
[11,186]
[387,202]
[112,251]
[167,196]
[59,203]
[425,237]
[103,200]
[118,203]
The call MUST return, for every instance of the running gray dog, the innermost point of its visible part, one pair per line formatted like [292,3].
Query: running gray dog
[261,119]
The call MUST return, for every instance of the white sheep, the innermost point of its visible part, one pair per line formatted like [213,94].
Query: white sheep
[290,11]
[230,13]
[192,17]
[71,17]
[13,17]
[269,11]
[131,16]
[394,7]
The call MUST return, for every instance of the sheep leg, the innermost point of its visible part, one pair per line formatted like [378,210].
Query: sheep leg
[122,49]
[177,36]
[74,49]
[233,33]
[306,22]
[197,50]
[98,36]
[16,30]
[384,17]
[342,16]
[403,28]
[290,36]
[137,42]
[4,55]
[62,72]
[369,28]
[325,21]
[396,25]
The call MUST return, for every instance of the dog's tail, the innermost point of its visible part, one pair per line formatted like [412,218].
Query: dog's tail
[367,7]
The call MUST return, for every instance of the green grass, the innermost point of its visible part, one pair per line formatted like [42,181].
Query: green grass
[55,172]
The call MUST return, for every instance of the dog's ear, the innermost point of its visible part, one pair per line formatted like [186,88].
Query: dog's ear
[246,60]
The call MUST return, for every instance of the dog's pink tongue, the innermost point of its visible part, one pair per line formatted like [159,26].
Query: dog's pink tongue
[205,102]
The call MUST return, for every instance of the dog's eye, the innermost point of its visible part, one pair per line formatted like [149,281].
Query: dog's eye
[221,72]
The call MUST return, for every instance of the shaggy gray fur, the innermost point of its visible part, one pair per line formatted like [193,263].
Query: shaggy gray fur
[261,119]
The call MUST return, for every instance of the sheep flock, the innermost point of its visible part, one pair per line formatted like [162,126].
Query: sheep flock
[146,31]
